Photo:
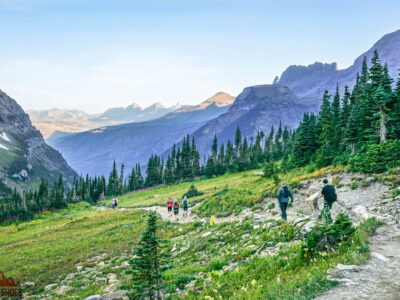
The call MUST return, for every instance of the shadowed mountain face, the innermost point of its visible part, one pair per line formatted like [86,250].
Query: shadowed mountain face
[94,151]
[311,81]
[257,108]
[24,156]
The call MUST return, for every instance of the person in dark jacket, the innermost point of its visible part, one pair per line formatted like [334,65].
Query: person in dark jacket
[329,194]
[285,195]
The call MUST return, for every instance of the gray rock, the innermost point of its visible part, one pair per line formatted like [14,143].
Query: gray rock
[101,281]
[308,226]
[94,297]
[50,287]
[114,295]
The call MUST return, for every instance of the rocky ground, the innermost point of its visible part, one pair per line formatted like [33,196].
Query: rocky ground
[360,197]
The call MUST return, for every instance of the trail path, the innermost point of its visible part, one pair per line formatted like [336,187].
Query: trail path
[379,279]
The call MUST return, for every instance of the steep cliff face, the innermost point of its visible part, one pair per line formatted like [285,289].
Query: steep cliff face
[24,156]
[256,108]
[310,81]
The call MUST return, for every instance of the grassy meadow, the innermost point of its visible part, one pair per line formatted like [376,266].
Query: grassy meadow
[208,261]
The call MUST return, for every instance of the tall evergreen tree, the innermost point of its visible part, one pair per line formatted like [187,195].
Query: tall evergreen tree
[148,263]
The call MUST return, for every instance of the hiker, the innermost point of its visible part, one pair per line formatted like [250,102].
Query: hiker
[329,194]
[169,206]
[115,203]
[176,209]
[185,206]
[284,193]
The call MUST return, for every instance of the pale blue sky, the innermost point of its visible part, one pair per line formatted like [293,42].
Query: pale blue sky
[95,54]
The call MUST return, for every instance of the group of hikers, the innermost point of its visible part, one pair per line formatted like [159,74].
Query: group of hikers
[174,205]
[285,196]
[114,203]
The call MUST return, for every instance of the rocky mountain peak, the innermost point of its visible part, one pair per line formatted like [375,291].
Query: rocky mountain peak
[219,99]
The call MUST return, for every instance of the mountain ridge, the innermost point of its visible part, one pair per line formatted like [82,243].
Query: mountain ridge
[25,157]
[311,81]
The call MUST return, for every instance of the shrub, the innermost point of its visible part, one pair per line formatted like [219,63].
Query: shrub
[377,158]
[326,237]
[353,185]
[217,264]
[269,170]
[192,192]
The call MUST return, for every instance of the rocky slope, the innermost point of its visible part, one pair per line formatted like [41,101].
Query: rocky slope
[134,142]
[24,156]
[256,108]
[310,81]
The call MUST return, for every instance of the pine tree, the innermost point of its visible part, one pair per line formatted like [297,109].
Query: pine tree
[238,141]
[148,264]
[336,124]
[351,132]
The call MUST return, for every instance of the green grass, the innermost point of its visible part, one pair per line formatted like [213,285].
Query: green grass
[159,195]
[49,248]
[287,275]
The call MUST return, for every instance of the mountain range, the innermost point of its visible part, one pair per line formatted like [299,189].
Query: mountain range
[298,90]
[24,155]
[55,123]
[94,151]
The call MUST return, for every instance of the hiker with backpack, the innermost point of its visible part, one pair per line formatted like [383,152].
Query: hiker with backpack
[329,194]
[169,205]
[176,209]
[284,194]
[185,206]
[115,200]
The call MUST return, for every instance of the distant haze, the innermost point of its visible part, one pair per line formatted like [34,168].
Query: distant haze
[92,55]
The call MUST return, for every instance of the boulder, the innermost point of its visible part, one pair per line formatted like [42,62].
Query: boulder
[308,226]
[361,212]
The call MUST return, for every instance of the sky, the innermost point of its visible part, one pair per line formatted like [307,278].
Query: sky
[95,54]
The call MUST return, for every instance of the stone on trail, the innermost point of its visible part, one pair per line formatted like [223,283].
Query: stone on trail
[379,256]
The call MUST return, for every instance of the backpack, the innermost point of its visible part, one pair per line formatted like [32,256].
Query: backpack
[285,192]
[116,201]
[331,196]
[176,204]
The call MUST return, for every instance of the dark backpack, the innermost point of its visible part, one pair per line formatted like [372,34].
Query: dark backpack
[285,193]
[331,195]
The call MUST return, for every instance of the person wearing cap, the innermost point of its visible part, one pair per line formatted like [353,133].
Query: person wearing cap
[329,194]
[284,194]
